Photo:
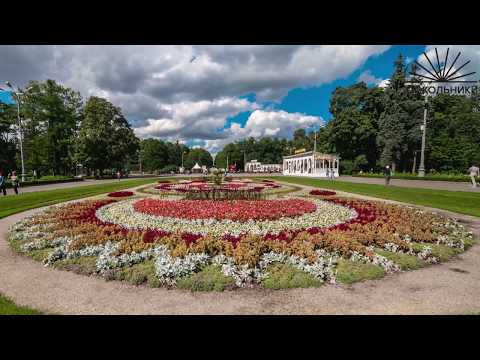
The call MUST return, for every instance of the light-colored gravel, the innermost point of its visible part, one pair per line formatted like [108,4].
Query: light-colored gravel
[448,288]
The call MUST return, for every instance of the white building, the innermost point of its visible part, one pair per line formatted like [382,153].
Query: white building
[255,166]
[311,163]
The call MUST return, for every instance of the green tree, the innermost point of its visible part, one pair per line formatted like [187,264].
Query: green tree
[399,124]
[154,154]
[7,138]
[105,140]
[352,131]
[200,156]
[51,114]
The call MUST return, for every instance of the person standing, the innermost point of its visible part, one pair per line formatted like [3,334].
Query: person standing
[387,172]
[3,184]
[332,174]
[14,180]
[328,173]
[474,171]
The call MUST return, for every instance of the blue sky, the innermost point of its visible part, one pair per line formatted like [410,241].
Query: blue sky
[227,93]
[316,100]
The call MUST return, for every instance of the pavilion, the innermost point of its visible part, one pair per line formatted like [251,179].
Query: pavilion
[311,163]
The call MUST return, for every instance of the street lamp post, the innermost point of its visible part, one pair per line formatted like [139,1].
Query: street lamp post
[421,168]
[244,161]
[20,135]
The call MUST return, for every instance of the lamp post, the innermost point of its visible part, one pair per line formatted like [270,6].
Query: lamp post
[421,168]
[244,161]
[17,94]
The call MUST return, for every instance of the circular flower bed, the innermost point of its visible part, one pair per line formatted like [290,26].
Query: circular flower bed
[237,210]
[179,218]
[322,192]
[242,239]
[120,194]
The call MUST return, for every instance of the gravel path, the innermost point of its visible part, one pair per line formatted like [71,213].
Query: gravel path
[448,288]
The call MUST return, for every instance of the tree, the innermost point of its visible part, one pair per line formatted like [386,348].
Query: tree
[7,138]
[398,134]
[154,154]
[51,114]
[105,140]
[453,133]
[200,156]
[352,131]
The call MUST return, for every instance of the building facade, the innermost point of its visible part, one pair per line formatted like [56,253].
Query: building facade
[311,163]
[255,166]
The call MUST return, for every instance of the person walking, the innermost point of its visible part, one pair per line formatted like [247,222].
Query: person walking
[387,172]
[3,184]
[14,180]
[474,171]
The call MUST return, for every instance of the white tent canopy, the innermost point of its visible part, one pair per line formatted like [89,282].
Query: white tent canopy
[196,167]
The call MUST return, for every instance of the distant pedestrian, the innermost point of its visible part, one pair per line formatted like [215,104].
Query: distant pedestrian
[332,174]
[14,180]
[474,171]
[387,172]
[3,184]
[119,175]
[328,173]
[34,175]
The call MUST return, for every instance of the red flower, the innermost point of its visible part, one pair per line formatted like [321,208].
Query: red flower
[323,192]
[120,194]
[236,210]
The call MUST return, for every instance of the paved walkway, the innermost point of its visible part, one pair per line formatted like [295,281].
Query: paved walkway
[65,185]
[423,184]
[448,288]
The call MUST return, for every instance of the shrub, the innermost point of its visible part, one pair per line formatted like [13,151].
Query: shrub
[210,278]
[120,194]
[322,192]
[282,276]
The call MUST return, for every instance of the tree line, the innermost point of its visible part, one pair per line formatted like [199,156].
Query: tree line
[61,132]
[373,126]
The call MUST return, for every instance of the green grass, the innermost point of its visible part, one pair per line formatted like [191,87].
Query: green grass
[210,278]
[13,204]
[139,274]
[442,252]
[406,262]
[349,272]
[7,307]
[282,276]
[462,202]
[410,176]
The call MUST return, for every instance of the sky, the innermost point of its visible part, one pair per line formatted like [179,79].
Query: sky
[210,95]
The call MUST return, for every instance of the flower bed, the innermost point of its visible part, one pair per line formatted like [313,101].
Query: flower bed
[243,238]
[120,194]
[240,210]
[322,193]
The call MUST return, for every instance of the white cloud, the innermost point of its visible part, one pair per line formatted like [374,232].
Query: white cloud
[265,123]
[167,95]
[368,78]
[468,53]
[384,83]
[194,119]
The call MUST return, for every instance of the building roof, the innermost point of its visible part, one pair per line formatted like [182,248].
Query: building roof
[310,153]
[196,166]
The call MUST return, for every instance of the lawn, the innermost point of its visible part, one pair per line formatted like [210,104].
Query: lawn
[462,202]
[7,307]
[13,204]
